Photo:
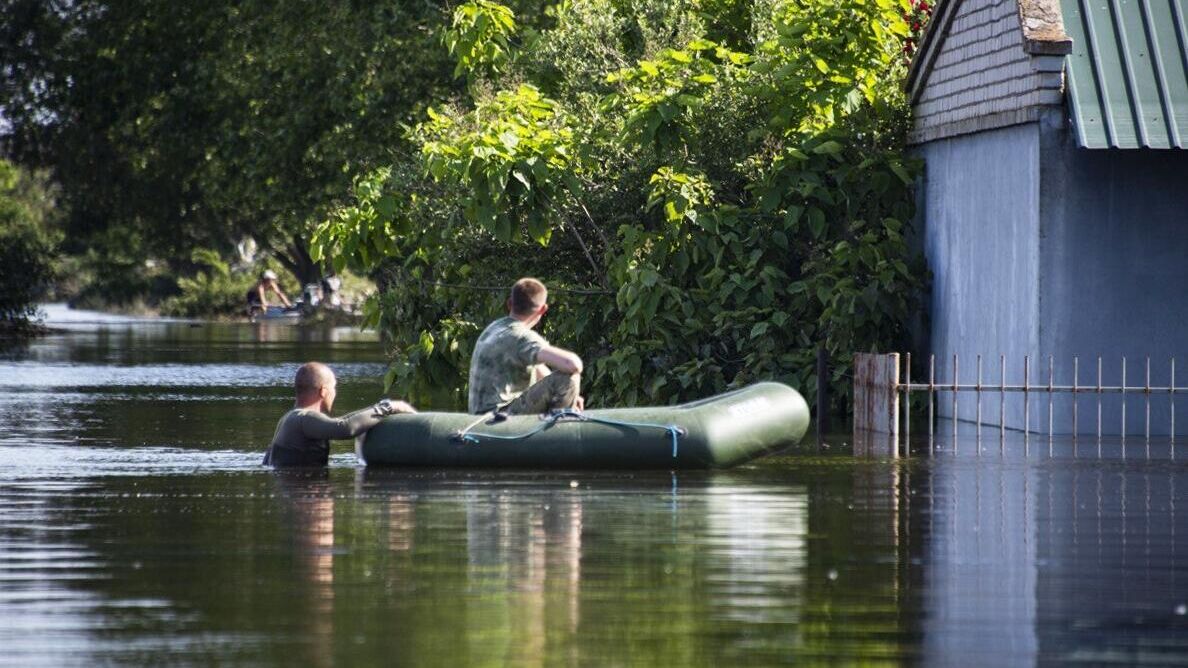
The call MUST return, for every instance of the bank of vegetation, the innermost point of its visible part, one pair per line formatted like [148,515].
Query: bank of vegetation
[28,247]
[712,188]
[172,127]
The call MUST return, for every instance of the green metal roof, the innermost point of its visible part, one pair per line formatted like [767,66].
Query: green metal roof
[1128,72]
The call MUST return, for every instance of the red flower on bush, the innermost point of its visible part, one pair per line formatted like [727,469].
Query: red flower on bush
[917,20]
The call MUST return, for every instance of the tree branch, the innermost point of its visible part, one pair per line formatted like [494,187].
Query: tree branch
[594,265]
[490,288]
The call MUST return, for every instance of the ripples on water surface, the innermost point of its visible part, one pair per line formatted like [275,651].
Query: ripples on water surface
[136,527]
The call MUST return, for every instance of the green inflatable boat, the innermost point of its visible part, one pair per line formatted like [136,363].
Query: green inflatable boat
[718,432]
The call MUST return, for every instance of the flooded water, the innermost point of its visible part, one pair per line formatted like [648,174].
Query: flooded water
[138,528]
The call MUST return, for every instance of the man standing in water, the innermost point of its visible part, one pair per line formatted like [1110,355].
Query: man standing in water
[303,435]
[257,296]
[514,369]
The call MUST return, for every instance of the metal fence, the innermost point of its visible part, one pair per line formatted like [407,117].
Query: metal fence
[880,398]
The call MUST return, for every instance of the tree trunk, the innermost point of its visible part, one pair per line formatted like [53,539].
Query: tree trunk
[295,258]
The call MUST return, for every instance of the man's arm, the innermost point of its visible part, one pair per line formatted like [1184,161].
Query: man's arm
[263,295]
[323,427]
[559,359]
[281,293]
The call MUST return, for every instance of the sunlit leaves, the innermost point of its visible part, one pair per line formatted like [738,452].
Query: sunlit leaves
[27,247]
[479,37]
[679,195]
[513,157]
[657,95]
[356,236]
[825,55]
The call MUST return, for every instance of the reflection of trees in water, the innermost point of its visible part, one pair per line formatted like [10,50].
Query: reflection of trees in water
[635,569]
[531,552]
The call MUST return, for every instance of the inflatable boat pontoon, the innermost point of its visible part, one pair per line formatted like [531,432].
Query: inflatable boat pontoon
[717,432]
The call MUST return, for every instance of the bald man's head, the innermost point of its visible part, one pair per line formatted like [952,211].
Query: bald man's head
[312,377]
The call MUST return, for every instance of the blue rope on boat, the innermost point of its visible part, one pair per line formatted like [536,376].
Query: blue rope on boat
[673,430]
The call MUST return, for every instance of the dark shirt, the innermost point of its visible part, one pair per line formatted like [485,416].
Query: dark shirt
[303,436]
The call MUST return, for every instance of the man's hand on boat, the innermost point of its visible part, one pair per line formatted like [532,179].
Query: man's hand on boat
[388,407]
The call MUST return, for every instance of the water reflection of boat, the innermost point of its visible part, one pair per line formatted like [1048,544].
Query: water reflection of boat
[717,432]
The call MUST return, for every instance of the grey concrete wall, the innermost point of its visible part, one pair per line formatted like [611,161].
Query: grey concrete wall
[1114,279]
[981,233]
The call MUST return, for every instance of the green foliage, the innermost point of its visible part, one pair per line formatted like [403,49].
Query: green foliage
[679,194]
[196,124]
[478,38]
[119,274]
[368,230]
[731,179]
[211,292]
[511,156]
[27,246]
[826,59]
[659,94]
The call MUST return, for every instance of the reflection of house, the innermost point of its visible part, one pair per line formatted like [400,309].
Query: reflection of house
[1035,564]
[1055,199]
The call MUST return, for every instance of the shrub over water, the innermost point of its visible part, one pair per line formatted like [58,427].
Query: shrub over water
[27,247]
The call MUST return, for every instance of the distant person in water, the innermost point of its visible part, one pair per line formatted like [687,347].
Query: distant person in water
[514,369]
[257,296]
[303,435]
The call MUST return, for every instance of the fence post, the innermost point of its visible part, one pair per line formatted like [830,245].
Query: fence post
[876,394]
[822,392]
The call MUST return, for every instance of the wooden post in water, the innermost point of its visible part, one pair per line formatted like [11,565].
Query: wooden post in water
[876,397]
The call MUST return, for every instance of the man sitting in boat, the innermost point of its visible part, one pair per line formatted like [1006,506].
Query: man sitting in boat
[303,434]
[257,295]
[514,370]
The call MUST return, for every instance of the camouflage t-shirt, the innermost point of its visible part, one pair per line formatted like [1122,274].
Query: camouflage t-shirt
[501,367]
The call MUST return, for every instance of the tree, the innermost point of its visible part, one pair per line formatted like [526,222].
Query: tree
[26,247]
[195,124]
[712,190]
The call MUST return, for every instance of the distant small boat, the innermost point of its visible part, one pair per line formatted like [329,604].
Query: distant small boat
[718,432]
[278,313]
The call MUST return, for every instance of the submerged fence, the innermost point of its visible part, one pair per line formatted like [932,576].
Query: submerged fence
[880,398]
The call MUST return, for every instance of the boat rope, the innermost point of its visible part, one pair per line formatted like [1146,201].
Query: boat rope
[467,436]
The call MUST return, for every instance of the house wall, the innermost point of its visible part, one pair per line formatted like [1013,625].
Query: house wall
[1115,274]
[1042,249]
[981,237]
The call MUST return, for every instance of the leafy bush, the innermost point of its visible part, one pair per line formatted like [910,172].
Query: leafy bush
[213,291]
[117,276]
[27,247]
[711,191]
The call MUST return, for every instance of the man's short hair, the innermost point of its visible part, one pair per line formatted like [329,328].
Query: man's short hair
[527,295]
[312,376]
